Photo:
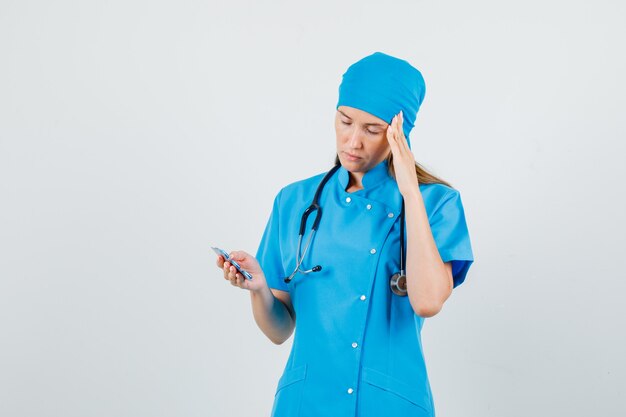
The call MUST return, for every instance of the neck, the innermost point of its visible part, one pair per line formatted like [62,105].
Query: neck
[356,182]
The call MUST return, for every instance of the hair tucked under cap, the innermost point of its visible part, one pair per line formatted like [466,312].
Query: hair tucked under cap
[382,85]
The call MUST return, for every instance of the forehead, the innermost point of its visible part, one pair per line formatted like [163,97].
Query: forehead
[360,115]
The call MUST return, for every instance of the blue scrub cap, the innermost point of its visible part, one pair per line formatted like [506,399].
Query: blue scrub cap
[382,85]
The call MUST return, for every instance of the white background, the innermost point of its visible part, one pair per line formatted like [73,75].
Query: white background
[135,134]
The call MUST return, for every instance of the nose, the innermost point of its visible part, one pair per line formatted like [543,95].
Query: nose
[354,139]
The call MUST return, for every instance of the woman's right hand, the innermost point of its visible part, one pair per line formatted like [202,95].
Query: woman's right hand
[249,264]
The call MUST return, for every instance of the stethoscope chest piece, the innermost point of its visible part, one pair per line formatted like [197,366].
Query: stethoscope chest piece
[398,284]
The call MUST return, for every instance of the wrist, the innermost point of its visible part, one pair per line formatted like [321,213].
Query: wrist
[263,291]
[412,194]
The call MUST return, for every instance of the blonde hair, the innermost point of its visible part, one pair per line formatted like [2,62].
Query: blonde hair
[423,176]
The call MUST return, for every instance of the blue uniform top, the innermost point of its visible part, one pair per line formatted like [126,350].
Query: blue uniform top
[357,348]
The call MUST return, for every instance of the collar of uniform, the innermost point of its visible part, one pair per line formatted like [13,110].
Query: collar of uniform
[371,178]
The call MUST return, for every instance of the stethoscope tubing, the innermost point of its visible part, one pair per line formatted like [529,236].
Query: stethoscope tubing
[397,281]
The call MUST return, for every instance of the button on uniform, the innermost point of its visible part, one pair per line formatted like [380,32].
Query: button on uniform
[355,345]
[363,297]
[390,215]
[348,199]
[373,251]
[350,390]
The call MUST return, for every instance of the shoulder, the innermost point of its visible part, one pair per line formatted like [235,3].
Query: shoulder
[304,184]
[438,191]
[436,195]
[299,190]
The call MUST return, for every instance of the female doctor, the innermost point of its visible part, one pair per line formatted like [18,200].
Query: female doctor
[355,295]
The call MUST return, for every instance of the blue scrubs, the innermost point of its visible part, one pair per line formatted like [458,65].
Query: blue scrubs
[357,349]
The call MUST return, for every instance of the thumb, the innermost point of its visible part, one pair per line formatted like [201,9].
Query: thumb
[247,261]
[238,255]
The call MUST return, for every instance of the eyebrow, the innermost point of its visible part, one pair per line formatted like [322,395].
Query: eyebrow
[365,124]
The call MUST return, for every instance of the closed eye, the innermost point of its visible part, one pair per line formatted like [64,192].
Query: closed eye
[367,130]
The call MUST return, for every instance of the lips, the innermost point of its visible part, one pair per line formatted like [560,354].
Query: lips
[351,157]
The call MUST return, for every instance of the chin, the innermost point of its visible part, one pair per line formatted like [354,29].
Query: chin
[352,167]
[349,165]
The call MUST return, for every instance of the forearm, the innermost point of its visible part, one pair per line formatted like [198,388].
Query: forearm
[271,315]
[428,283]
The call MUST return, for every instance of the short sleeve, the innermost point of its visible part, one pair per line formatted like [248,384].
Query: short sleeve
[452,236]
[269,253]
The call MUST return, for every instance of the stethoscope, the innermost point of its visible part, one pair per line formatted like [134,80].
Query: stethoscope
[397,282]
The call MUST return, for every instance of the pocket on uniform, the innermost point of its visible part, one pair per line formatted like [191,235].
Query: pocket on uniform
[291,376]
[399,395]
[289,392]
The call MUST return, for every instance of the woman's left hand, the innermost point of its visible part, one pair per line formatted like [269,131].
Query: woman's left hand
[403,159]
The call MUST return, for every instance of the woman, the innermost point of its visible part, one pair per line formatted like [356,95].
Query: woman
[357,349]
